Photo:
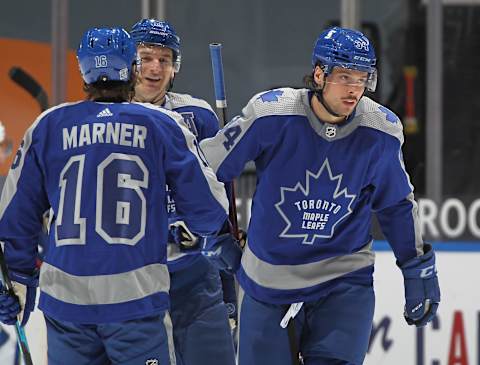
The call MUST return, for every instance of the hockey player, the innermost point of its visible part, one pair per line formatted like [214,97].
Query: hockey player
[326,158]
[201,327]
[102,166]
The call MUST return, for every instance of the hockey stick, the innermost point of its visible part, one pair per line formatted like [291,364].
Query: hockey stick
[21,337]
[221,103]
[288,322]
[30,85]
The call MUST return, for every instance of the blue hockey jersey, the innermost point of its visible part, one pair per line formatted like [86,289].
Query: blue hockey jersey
[103,168]
[317,185]
[203,123]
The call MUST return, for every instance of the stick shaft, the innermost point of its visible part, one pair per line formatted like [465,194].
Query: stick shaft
[221,103]
[218,80]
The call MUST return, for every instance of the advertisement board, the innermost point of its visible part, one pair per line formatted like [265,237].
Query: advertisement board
[453,338]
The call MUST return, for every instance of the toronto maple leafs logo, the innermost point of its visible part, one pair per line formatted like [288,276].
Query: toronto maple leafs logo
[313,211]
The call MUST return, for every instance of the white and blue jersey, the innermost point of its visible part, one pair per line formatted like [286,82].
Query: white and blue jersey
[317,185]
[103,168]
[203,123]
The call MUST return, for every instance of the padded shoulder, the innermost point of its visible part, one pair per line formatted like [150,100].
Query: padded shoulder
[284,101]
[374,115]
[177,100]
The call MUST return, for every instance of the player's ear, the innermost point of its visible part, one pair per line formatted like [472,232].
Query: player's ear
[318,75]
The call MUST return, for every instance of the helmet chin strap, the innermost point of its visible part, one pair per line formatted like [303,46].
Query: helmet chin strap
[170,84]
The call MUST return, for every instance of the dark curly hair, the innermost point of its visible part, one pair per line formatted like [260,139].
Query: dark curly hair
[111,91]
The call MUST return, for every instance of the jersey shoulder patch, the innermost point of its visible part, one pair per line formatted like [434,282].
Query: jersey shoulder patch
[176,100]
[376,116]
[283,101]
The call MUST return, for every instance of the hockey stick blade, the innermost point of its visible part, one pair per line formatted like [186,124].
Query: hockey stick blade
[30,85]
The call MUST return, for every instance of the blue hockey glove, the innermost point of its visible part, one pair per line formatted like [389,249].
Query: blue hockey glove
[422,292]
[223,251]
[22,302]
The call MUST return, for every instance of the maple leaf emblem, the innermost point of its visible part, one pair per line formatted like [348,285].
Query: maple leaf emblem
[312,211]
[389,115]
[271,95]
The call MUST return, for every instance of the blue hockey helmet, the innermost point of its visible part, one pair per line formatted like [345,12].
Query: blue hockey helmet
[158,33]
[106,54]
[347,48]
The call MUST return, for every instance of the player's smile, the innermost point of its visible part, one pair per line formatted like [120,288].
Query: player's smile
[152,81]
[349,101]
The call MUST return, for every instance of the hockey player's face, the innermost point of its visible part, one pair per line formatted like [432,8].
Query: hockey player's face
[156,71]
[343,89]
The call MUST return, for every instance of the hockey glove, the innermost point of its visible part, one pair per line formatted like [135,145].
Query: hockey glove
[422,292]
[180,234]
[242,238]
[18,305]
[223,251]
